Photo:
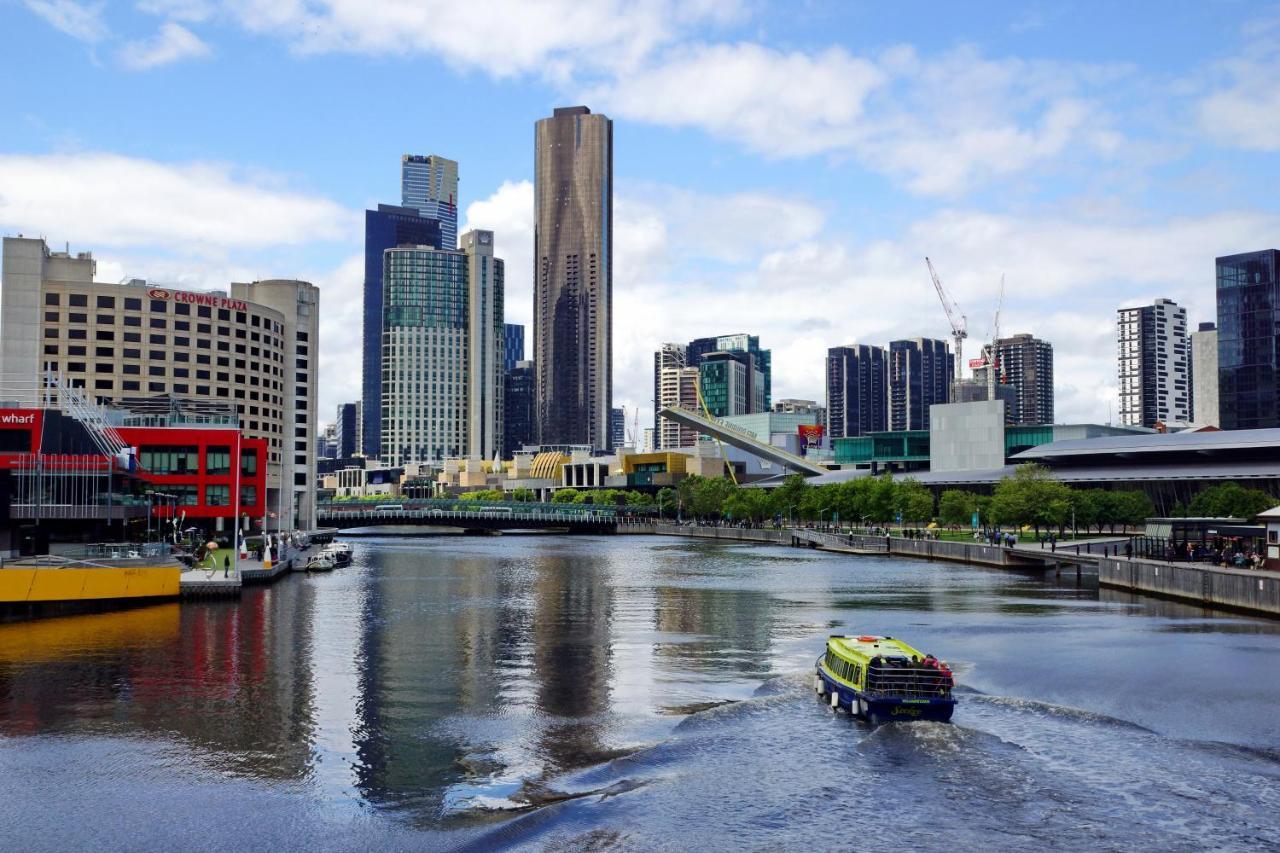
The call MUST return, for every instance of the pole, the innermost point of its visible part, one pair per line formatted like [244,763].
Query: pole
[235,510]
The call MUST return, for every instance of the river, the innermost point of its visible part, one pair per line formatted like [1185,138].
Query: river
[634,693]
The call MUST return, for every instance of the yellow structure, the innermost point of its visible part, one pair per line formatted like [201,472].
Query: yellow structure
[546,465]
[39,585]
[673,463]
[69,637]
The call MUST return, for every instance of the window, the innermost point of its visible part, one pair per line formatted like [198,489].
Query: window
[302,336]
[299,479]
[131,369]
[129,385]
[75,350]
[203,311]
[78,300]
[104,367]
[155,370]
[217,460]
[157,354]
[51,316]
[182,308]
[218,496]
[156,387]
[182,325]
[132,304]
[50,349]
[202,374]
[51,299]
[132,321]
[104,352]
[105,335]
[248,496]
[159,323]
[179,341]
[248,462]
[181,389]
[162,459]
[224,314]
[133,337]
[181,372]
[78,334]
[105,320]
[77,318]
[182,356]
[159,340]
[103,384]
[50,333]
[159,306]
[202,390]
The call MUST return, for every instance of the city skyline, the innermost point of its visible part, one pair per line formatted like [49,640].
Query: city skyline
[855,198]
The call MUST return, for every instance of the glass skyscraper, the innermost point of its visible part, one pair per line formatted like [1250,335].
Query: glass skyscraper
[514,335]
[857,390]
[385,228]
[1248,340]
[429,184]
[920,372]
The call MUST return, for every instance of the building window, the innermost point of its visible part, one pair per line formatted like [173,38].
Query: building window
[105,320]
[132,321]
[203,311]
[77,318]
[159,306]
[78,300]
[155,370]
[248,496]
[75,367]
[182,372]
[224,314]
[51,316]
[105,335]
[104,352]
[181,389]
[50,349]
[106,302]
[182,308]
[182,325]
[157,387]
[184,459]
[132,304]
[249,462]
[78,334]
[51,299]
[75,350]
[217,495]
[159,323]
[103,384]
[217,460]
[133,337]
[50,333]
[129,385]
[159,340]
[179,341]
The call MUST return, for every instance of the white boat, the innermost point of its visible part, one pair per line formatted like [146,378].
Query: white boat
[340,551]
[321,562]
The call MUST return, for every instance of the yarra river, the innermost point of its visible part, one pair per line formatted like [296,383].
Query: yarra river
[634,693]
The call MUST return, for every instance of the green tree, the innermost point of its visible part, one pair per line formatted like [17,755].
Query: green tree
[666,500]
[482,495]
[709,495]
[564,496]
[914,501]
[1031,496]
[1134,508]
[523,495]
[1230,500]
[788,497]
[956,506]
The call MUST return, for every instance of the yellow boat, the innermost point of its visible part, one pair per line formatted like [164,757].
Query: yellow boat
[882,680]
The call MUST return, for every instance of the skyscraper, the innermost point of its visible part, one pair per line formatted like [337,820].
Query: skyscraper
[385,228]
[1204,374]
[430,185]
[920,374]
[442,352]
[513,333]
[1026,363]
[617,428]
[675,386]
[755,370]
[857,390]
[1249,340]
[346,429]
[517,408]
[1153,354]
[573,277]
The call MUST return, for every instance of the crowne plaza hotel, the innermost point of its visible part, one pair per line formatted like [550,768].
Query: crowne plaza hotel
[253,348]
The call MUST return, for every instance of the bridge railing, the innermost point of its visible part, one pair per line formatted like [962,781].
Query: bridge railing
[476,509]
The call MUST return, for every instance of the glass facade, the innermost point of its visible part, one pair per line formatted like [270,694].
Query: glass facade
[513,340]
[385,228]
[1248,340]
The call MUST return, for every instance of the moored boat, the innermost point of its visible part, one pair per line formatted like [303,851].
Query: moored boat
[884,680]
[340,551]
[320,563]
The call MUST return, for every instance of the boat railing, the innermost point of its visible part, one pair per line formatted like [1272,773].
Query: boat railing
[912,682]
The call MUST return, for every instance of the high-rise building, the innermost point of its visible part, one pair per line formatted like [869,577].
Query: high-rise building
[513,335]
[920,375]
[385,228]
[136,344]
[617,428]
[442,352]
[675,386]
[1153,352]
[1026,363]
[756,363]
[573,277]
[1204,374]
[648,441]
[857,390]
[327,442]
[518,408]
[429,184]
[1249,340]
[346,430]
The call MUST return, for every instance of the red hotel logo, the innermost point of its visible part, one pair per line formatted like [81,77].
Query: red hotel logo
[209,299]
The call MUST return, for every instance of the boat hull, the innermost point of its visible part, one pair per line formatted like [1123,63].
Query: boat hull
[880,709]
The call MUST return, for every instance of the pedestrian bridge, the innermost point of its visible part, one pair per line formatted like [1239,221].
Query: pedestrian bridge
[474,515]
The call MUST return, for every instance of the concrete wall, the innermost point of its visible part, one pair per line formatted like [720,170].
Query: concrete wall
[775,537]
[1257,592]
[966,436]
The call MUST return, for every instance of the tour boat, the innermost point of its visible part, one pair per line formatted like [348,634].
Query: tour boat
[321,563]
[340,551]
[882,680]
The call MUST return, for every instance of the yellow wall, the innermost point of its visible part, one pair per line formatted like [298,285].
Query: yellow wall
[673,461]
[34,585]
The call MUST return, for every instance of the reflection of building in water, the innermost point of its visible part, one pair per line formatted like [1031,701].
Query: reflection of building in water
[572,657]
[234,681]
[732,628]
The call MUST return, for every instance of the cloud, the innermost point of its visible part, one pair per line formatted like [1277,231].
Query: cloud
[1244,110]
[82,21]
[109,199]
[508,213]
[551,38]
[341,333]
[173,42]
[190,11]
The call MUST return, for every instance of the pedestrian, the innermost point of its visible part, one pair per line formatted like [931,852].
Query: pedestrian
[226,566]
[1128,550]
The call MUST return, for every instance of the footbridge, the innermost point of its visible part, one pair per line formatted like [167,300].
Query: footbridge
[474,516]
[742,439]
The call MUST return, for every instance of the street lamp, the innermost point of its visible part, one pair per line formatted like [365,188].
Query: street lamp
[790,523]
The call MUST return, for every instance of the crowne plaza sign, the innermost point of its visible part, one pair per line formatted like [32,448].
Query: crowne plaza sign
[211,299]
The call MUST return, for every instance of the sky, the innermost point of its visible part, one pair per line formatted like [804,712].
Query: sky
[780,169]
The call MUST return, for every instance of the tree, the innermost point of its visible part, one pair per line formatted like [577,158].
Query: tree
[914,501]
[1134,508]
[1230,500]
[666,499]
[482,495]
[564,496]
[1031,496]
[788,497]
[956,507]
[523,495]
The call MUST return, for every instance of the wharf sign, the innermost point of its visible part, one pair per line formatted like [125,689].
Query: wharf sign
[17,418]
[213,300]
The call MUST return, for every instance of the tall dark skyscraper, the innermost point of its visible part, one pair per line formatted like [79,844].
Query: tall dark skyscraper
[1026,363]
[573,277]
[345,429]
[518,408]
[857,390]
[385,228]
[920,372]
[513,341]
[1249,340]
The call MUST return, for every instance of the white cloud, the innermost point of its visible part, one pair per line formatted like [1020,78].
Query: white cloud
[190,11]
[502,37]
[108,199]
[82,21]
[173,42]
[1244,112]
[341,334]
[508,213]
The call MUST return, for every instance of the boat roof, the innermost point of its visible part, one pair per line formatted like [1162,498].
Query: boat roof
[867,646]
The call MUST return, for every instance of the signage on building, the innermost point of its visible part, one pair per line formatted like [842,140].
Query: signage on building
[810,437]
[17,417]
[211,299]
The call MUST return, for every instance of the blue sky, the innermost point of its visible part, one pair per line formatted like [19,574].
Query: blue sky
[780,168]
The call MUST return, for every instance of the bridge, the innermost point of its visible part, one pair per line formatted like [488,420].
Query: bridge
[476,515]
[741,439]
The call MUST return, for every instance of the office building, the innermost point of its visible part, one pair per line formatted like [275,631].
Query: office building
[617,428]
[346,430]
[327,442]
[252,347]
[385,228]
[573,277]
[513,335]
[1204,375]
[1153,354]
[757,368]
[920,375]
[429,184]
[675,386]
[442,352]
[1249,340]
[518,404]
[648,440]
[1026,363]
[857,390]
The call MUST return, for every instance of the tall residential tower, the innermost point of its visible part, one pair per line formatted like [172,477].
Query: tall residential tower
[1153,357]
[573,277]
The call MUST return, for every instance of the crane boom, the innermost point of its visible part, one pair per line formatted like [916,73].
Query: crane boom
[959,327]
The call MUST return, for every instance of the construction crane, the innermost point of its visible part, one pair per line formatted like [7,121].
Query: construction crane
[959,324]
[989,354]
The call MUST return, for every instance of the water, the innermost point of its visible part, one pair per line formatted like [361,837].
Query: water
[634,694]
